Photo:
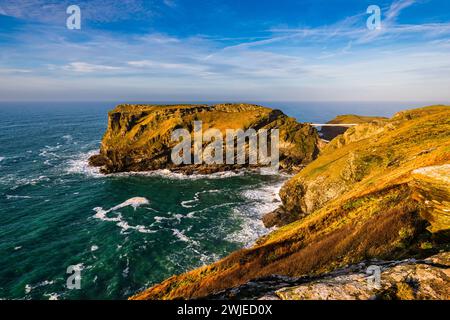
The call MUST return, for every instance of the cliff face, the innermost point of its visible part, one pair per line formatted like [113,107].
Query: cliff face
[138,137]
[368,157]
[432,188]
[407,279]
[365,197]
[402,280]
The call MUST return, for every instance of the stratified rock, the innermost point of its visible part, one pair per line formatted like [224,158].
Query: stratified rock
[432,189]
[138,137]
[410,280]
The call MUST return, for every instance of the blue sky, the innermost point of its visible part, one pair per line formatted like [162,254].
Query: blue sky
[302,50]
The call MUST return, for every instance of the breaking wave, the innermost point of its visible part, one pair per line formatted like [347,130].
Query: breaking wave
[135,202]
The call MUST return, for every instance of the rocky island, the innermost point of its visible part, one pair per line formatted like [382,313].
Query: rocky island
[138,137]
[377,194]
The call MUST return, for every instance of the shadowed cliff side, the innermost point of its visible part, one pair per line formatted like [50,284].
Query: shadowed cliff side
[359,200]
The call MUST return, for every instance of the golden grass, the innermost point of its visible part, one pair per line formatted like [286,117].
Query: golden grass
[373,216]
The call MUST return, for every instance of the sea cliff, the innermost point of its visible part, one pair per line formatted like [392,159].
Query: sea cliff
[138,137]
[377,192]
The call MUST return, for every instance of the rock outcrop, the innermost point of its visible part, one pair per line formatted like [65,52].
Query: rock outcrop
[408,279]
[369,195]
[427,279]
[432,189]
[366,157]
[138,137]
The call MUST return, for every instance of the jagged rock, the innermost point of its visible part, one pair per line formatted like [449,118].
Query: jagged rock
[432,189]
[369,150]
[138,137]
[410,280]
[354,203]
[278,218]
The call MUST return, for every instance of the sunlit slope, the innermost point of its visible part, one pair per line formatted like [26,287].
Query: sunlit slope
[138,137]
[364,197]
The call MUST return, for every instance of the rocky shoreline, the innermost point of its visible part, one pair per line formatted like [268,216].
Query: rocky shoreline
[138,137]
[376,192]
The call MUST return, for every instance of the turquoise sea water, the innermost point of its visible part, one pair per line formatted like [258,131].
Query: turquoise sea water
[55,211]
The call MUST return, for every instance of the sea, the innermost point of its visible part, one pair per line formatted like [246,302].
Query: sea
[122,232]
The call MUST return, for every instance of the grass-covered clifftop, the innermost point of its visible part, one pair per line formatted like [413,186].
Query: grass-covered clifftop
[138,137]
[366,196]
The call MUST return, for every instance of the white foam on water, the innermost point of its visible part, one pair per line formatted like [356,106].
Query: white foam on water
[126,271]
[52,296]
[10,197]
[28,181]
[94,248]
[192,214]
[260,201]
[2,158]
[165,173]
[68,138]
[29,288]
[48,152]
[80,165]
[181,236]
[193,203]
[159,219]
[135,202]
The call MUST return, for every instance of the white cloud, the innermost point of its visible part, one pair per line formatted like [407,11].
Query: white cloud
[12,70]
[396,8]
[328,62]
[84,67]
[53,12]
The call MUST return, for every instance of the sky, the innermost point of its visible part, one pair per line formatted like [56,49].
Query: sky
[246,50]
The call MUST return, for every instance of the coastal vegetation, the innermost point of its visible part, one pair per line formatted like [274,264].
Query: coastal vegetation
[138,137]
[379,191]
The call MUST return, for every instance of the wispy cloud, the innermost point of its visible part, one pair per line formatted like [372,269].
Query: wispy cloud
[92,10]
[396,8]
[85,67]
[341,60]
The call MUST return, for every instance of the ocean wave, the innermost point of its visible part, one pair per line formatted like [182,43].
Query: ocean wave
[193,213]
[2,158]
[29,288]
[48,152]
[135,202]
[68,138]
[80,165]
[165,173]
[27,181]
[181,236]
[10,197]
[193,202]
[52,296]
[260,201]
